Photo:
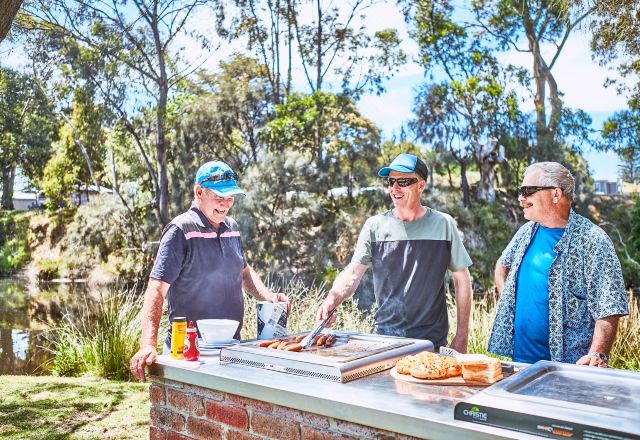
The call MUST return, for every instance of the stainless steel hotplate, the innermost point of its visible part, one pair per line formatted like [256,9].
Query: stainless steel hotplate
[557,400]
[352,356]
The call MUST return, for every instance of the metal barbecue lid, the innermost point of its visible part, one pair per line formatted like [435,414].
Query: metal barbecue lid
[557,400]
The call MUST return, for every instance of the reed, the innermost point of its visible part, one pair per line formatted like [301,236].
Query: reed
[101,339]
[626,348]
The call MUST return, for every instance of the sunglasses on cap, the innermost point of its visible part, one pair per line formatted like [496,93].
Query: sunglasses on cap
[227,175]
[402,181]
[526,191]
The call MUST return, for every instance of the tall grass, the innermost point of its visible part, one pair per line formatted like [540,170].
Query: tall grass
[101,340]
[626,348]
[305,300]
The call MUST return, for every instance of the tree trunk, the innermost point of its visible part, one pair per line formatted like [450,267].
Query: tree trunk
[8,11]
[161,121]
[464,183]
[488,156]
[8,177]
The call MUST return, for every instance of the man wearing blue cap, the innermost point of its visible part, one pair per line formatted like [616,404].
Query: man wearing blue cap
[200,265]
[410,247]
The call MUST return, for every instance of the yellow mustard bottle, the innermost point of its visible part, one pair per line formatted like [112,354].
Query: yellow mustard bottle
[178,330]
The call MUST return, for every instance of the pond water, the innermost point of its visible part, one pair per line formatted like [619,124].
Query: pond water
[27,315]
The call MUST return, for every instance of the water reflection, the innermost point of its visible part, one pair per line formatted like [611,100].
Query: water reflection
[26,316]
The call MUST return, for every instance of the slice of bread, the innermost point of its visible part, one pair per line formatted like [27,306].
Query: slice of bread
[480,368]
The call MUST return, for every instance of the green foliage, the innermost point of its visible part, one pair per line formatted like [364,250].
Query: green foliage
[102,340]
[14,247]
[97,229]
[488,221]
[48,269]
[27,128]
[68,170]
[621,134]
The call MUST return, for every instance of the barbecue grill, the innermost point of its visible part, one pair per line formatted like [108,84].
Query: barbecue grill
[352,356]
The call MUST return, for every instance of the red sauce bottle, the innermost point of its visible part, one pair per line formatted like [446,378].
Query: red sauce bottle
[190,351]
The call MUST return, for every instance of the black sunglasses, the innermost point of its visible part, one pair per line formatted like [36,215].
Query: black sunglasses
[227,175]
[402,181]
[526,191]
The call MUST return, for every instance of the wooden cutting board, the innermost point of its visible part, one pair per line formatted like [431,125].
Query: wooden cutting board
[457,380]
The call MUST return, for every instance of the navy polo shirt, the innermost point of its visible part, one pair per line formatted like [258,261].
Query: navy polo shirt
[203,267]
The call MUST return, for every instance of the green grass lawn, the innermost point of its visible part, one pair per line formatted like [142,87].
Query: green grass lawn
[48,407]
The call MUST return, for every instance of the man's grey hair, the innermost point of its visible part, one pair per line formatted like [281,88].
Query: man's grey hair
[554,174]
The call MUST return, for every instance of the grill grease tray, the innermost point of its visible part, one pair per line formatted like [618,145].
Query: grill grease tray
[352,356]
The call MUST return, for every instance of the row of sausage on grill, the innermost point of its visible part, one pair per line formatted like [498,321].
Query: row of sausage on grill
[293,344]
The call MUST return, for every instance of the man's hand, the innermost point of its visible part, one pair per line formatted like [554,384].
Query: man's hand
[281,297]
[147,355]
[459,343]
[330,303]
[592,361]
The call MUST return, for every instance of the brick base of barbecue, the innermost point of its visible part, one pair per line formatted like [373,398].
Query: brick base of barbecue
[180,412]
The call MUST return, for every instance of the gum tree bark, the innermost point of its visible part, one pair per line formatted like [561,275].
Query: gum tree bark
[8,11]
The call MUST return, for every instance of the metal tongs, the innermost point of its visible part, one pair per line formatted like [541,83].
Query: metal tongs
[308,340]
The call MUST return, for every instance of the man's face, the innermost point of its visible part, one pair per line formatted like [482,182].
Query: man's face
[407,197]
[537,206]
[214,207]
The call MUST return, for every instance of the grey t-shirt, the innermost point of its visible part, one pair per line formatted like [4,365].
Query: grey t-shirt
[410,260]
[204,268]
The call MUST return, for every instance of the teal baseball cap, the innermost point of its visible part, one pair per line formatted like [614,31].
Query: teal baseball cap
[219,178]
[406,163]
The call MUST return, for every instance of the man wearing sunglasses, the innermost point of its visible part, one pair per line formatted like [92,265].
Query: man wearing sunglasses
[410,248]
[200,265]
[559,279]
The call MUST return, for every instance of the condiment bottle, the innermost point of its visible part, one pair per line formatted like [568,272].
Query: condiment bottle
[178,328]
[191,352]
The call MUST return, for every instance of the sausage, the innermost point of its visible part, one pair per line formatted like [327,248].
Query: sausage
[293,347]
[321,340]
[316,339]
[300,337]
[266,343]
[274,344]
[282,345]
[329,340]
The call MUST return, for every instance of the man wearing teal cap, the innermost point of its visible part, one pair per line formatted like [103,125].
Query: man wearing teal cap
[200,265]
[410,247]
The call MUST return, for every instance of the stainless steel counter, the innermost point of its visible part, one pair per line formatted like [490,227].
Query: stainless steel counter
[424,411]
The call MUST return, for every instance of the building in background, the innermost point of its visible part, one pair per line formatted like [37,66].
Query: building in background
[608,187]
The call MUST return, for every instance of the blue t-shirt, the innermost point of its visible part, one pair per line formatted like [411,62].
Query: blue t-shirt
[531,326]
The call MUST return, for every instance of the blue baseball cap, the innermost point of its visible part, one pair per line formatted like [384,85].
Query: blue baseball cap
[406,163]
[219,178]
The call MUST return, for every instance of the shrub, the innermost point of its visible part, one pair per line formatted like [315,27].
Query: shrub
[48,269]
[102,339]
[14,248]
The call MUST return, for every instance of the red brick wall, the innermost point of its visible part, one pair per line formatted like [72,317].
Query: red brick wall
[180,412]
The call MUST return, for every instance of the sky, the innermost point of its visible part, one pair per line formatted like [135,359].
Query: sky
[578,77]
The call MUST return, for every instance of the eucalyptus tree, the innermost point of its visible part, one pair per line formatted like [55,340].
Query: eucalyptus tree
[8,11]
[328,41]
[141,45]
[621,134]
[351,140]
[27,129]
[466,111]
[540,28]
[615,41]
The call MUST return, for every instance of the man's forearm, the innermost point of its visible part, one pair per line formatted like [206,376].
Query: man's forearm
[604,334]
[253,285]
[151,314]
[462,286]
[347,282]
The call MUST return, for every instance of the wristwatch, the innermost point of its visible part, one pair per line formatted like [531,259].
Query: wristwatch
[601,356]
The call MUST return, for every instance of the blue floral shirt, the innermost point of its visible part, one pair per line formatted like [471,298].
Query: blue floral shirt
[585,284]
